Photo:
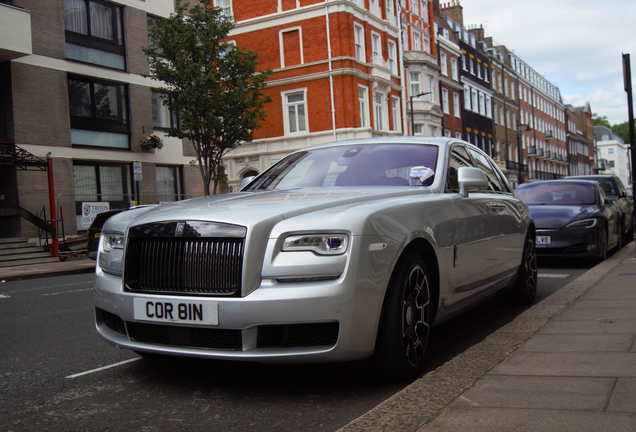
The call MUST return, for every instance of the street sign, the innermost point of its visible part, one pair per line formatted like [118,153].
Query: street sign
[137,172]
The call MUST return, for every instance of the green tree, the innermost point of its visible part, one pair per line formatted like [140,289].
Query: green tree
[214,86]
[622,130]
[598,120]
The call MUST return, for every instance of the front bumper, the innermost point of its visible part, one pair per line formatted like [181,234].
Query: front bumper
[569,242]
[304,322]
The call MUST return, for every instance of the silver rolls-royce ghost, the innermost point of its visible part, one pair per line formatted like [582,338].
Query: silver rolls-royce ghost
[335,253]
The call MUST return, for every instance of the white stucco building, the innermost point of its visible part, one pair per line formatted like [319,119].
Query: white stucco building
[612,148]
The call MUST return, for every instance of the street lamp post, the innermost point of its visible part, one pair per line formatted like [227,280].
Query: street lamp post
[412,116]
[519,152]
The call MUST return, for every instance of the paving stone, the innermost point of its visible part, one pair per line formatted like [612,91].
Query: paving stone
[597,364]
[624,397]
[579,343]
[455,419]
[557,393]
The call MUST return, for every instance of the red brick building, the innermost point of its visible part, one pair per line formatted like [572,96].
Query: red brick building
[506,115]
[337,73]
[542,110]
[579,154]
[585,130]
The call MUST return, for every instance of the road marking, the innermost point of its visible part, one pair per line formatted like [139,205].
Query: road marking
[553,275]
[104,368]
[4,296]
[67,292]
[49,287]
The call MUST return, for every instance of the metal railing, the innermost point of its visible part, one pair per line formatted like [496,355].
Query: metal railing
[516,166]
[541,175]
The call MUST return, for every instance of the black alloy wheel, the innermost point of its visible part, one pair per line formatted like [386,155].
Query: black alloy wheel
[602,246]
[406,319]
[525,287]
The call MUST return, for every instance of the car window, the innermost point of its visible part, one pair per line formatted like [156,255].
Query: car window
[352,165]
[458,158]
[608,187]
[620,187]
[482,162]
[558,193]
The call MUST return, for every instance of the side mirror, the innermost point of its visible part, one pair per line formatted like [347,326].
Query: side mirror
[245,182]
[470,178]
[608,202]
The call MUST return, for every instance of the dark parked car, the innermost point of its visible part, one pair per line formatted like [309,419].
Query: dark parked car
[95,230]
[615,190]
[573,218]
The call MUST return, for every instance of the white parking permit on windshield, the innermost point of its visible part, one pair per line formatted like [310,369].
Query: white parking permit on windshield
[423,173]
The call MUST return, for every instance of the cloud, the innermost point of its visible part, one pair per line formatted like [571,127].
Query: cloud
[576,44]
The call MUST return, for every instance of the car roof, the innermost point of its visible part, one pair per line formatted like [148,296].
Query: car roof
[560,181]
[440,141]
[591,176]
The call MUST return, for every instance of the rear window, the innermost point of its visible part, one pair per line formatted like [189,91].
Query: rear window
[558,194]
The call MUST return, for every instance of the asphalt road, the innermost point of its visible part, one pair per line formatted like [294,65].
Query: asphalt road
[51,377]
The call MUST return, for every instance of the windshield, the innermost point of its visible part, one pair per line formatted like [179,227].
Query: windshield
[558,194]
[351,165]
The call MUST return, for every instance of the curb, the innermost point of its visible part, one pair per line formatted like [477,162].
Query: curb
[37,271]
[423,400]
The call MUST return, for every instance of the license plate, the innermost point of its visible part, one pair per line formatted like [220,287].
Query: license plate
[543,240]
[175,311]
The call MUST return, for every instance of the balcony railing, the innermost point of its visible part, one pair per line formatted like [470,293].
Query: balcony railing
[540,152]
[514,166]
[532,150]
[541,175]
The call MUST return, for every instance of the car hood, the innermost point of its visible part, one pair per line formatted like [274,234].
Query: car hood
[558,216]
[253,208]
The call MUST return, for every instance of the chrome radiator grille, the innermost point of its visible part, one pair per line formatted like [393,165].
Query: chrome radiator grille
[160,263]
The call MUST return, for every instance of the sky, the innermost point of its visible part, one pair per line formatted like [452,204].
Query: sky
[577,45]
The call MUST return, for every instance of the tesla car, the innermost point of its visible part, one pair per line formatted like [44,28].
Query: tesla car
[338,252]
[573,218]
[615,190]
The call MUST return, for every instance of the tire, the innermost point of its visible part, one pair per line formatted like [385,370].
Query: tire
[629,236]
[602,246]
[619,240]
[405,322]
[524,291]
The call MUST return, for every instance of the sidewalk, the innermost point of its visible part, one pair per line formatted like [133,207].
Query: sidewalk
[566,364]
[59,268]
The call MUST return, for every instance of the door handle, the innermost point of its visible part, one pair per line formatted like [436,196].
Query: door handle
[496,206]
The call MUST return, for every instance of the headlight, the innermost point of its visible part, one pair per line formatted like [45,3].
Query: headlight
[585,223]
[111,253]
[322,244]
[113,241]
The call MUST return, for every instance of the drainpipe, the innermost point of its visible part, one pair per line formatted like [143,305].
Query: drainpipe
[398,9]
[333,109]
[55,242]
